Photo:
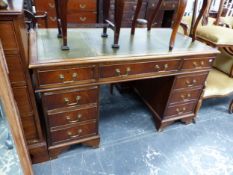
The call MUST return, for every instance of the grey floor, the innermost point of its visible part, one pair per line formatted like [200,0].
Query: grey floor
[131,146]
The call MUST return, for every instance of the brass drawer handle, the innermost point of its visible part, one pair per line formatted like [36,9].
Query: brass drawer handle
[74,77]
[83,19]
[165,67]
[118,72]
[196,65]
[190,84]
[180,111]
[74,121]
[51,5]
[72,135]
[82,6]
[185,97]
[67,101]
[53,18]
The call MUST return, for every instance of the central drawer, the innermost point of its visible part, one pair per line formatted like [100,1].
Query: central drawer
[74,133]
[127,70]
[70,97]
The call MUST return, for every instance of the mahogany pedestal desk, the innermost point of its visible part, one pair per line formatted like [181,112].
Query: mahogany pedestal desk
[67,82]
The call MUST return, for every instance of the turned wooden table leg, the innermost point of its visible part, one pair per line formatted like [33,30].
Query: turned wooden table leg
[231,107]
[153,16]
[63,16]
[202,11]
[119,8]
[175,27]
[138,8]
[106,7]
[59,35]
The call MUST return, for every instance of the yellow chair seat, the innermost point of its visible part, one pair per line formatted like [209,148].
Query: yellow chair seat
[216,34]
[218,84]
[227,20]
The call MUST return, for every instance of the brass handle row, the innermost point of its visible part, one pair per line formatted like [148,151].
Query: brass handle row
[67,101]
[118,72]
[198,65]
[191,83]
[180,111]
[74,77]
[72,135]
[53,18]
[159,69]
[51,5]
[79,116]
[185,97]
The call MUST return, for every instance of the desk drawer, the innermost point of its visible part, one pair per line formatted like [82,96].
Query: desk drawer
[74,133]
[70,98]
[180,110]
[194,80]
[125,70]
[197,63]
[184,96]
[72,117]
[66,76]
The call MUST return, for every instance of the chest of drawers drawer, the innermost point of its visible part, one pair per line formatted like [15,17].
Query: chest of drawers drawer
[128,70]
[70,98]
[66,76]
[83,17]
[73,133]
[182,96]
[180,110]
[73,116]
[190,81]
[197,63]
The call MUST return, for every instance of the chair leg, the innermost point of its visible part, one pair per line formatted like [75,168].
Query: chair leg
[63,15]
[106,8]
[46,19]
[138,8]
[57,5]
[153,16]
[231,107]
[119,8]
[202,11]
[179,15]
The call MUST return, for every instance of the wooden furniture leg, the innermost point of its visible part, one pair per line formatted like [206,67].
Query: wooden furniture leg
[231,107]
[62,11]
[153,16]
[202,11]
[138,8]
[106,16]
[179,16]
[59,35]
[119,8]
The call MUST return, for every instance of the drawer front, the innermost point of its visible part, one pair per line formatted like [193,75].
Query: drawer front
[180,110]
[127,70]
[16,73]
[72,117]
[8,37]
[194,80]
[66,76]
[23,100]
[69,98]
[83,18]
[197,63]
[184,96]
[82,5]
[74,133]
